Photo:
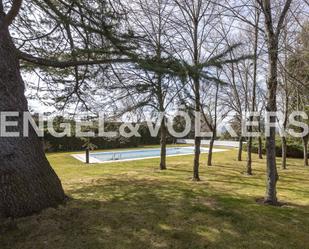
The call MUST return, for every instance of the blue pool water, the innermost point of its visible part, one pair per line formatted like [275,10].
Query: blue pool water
[140,154]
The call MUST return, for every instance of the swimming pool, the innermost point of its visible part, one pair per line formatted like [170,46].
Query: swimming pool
[129,155]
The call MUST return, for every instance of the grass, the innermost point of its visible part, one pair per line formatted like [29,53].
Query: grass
[134,205]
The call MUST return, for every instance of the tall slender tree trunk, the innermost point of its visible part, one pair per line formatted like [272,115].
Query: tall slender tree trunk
[305,145]
[253,106]
[284,152]
[197,152]
[214,129]
[160,96]
[240,148]
[196,82]
[249,149]
[28,184]
[163,145]
[272,35]
[272,174]
[197,139]
[87,156]
[286,101]
[260,148]
[260,142]
[211,146]
[249,157]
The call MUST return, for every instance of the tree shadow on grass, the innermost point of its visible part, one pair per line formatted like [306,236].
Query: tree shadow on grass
[142,213]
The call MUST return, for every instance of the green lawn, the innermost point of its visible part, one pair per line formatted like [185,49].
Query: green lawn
[134,205]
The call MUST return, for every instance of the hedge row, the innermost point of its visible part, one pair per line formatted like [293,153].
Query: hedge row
[294,149]
[73,143]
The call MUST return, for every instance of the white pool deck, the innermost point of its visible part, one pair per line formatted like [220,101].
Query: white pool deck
[224,143]
[93,160]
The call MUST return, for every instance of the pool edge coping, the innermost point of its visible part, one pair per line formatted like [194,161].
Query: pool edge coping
[93,160]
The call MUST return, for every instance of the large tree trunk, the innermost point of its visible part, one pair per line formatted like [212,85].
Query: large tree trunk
[240,147]
[211,146]
[305,145]
[284,152]
[163,146]
[28,184]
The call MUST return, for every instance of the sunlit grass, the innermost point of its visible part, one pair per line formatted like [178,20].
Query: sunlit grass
[134,205]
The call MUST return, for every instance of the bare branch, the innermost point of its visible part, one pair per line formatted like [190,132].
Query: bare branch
[282,17]
[13,12]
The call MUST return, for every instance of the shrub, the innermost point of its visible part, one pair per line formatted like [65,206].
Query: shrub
[294,148]
[53,144]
